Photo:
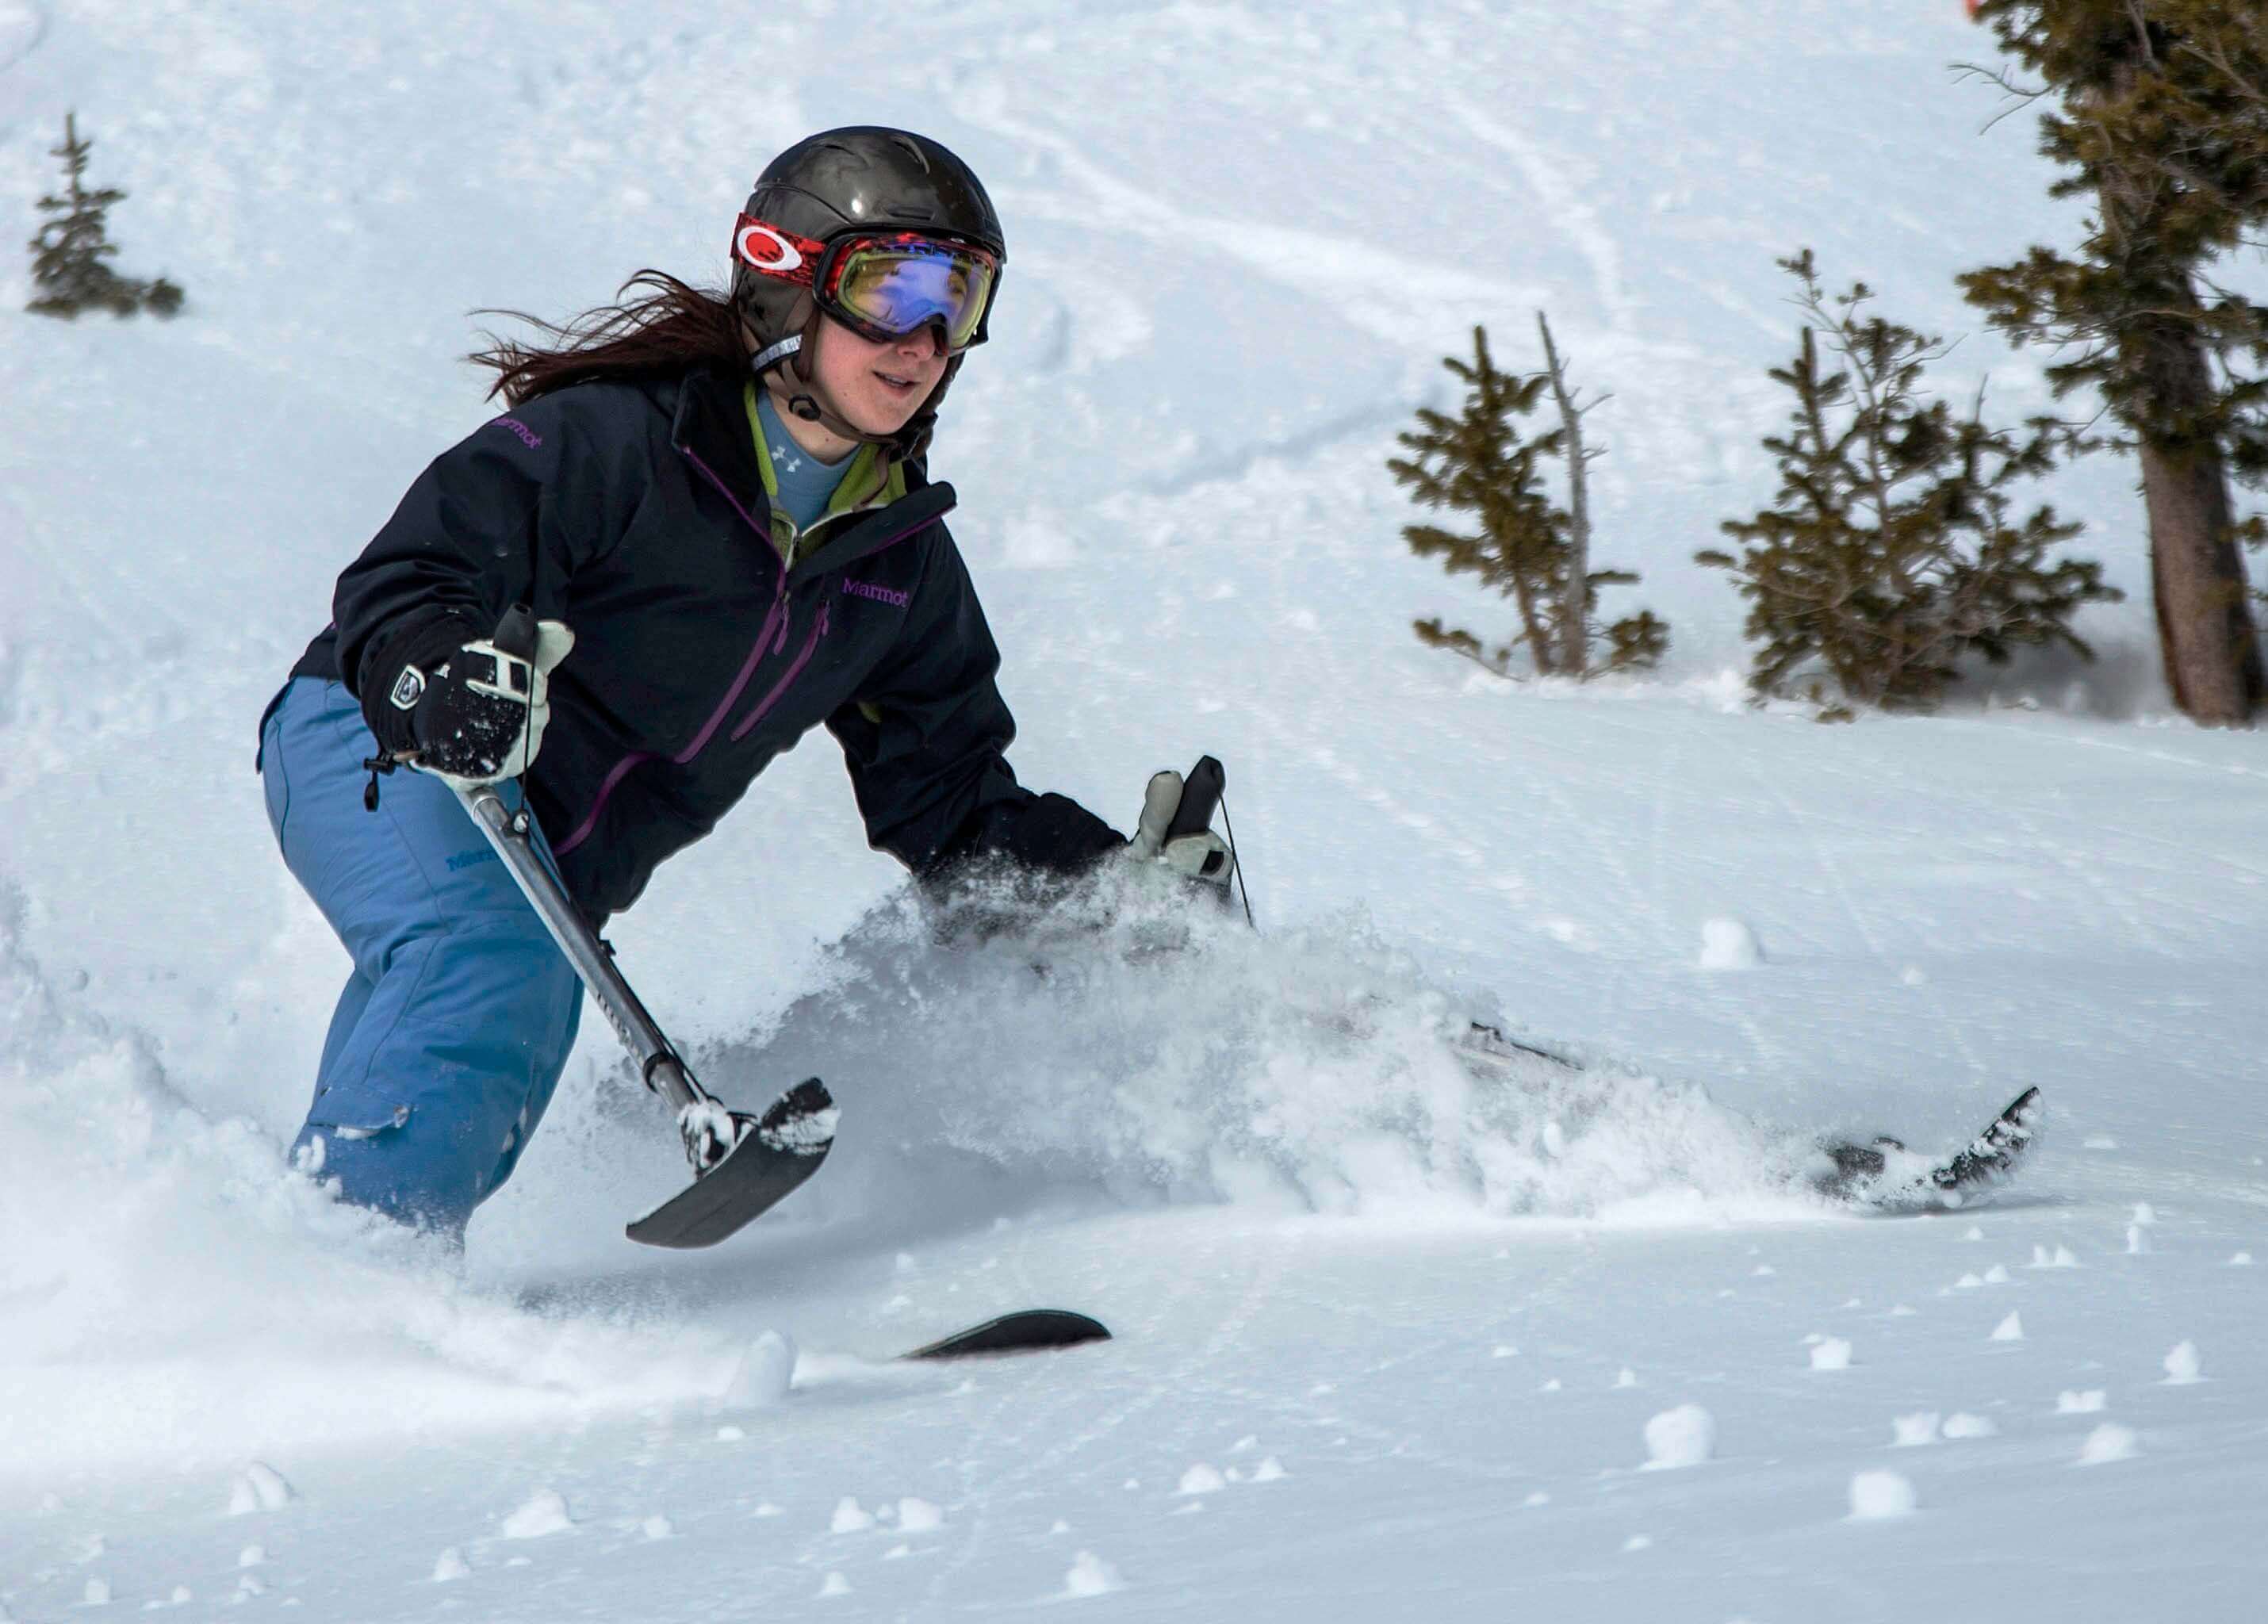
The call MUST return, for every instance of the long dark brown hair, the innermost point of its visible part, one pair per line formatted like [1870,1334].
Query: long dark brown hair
[671,328]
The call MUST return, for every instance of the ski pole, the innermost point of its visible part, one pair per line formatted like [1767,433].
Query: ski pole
[706,1125]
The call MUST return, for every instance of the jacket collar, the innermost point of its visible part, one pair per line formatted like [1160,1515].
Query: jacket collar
[710,424]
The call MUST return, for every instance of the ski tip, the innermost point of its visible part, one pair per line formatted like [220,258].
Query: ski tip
[770,1159]
[1031,1330]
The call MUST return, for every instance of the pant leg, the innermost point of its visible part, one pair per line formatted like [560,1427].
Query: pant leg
[451,1034]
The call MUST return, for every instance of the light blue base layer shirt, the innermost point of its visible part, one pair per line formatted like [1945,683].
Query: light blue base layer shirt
[806,484]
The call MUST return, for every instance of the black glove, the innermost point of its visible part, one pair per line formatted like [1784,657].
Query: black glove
[463,710]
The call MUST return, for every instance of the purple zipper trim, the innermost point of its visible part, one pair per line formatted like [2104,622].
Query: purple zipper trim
[802,659]
[636,758]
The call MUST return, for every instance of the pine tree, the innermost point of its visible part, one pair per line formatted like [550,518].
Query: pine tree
[1894,548]
[2157,112]
[1530,549]
[68,255]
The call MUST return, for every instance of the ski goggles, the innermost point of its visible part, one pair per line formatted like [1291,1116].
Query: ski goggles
[881,286]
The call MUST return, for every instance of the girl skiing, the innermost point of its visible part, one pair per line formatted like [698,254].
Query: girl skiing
[719,508]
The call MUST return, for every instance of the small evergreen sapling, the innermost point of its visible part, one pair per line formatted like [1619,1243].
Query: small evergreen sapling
[1530,549]
[68,255]
[1895,547]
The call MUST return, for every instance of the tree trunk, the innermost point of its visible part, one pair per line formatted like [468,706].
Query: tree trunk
[2205,632]
[1574,614]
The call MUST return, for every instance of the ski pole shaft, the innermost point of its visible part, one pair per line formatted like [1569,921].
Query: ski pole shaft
[658,1062]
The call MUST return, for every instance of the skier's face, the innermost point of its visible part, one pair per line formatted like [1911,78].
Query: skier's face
[878,386]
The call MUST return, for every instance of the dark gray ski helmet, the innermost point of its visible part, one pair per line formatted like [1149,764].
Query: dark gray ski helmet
[862,178]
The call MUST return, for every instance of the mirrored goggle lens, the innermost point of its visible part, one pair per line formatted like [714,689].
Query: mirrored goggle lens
[900,286]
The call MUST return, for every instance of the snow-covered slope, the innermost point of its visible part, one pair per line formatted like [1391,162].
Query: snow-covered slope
[1392,1343]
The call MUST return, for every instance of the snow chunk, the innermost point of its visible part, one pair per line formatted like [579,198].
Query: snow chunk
[1830,1353]
[655,1527]
[834,1585]
[1538,1498]
[2098,1142]
[2107,1443]
[1997,1275]
[2136,1244]
[1684,1436]
[1914,1431]
[2181,1365]
[1637,1542]
[97,1593]
[1729,945]
[1968,1282]
[763,1375]
[251,1557]
[1973,1233]
[451,1565]
[544,1514]
[730,1434]
[2060,1258]
[1090,1575]
[2144,1213]
[1201,1479]
[1504,1350]
[1960,1424]
[1875,1496]
[1269,1471]
[767,1508]
[2070,1403]
[919,1516]
[2240,1260]
[1626,1378]
[258,1488]
[850,1518]
[2009,1330]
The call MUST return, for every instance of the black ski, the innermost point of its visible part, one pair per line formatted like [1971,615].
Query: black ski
[772,1155]
[1030,1330]
[1873,1175]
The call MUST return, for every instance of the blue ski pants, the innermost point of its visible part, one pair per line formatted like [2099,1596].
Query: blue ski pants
[456,1022]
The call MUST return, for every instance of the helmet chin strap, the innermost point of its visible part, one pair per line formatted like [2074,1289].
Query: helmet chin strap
[804,391]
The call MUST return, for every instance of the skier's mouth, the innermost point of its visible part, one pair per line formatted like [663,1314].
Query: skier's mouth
[897,385]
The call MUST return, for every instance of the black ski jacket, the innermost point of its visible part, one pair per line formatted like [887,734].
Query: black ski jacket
[636,513]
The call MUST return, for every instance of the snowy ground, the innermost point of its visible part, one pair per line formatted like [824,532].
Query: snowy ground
[1390,1343]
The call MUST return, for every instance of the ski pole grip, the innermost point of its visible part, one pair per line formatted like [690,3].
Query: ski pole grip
[515,634]
[1201,792]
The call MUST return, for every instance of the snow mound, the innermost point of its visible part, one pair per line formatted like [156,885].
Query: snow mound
[1684,1436]
[1877,1496]
[544,1514]
[258,1488]
[1729,945]
[765,1372]
[1090,1575]
[2107,1443]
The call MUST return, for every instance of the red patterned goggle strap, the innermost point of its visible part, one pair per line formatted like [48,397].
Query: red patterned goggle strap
[767,248]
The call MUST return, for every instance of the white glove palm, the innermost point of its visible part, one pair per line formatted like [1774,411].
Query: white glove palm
[1203,856]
